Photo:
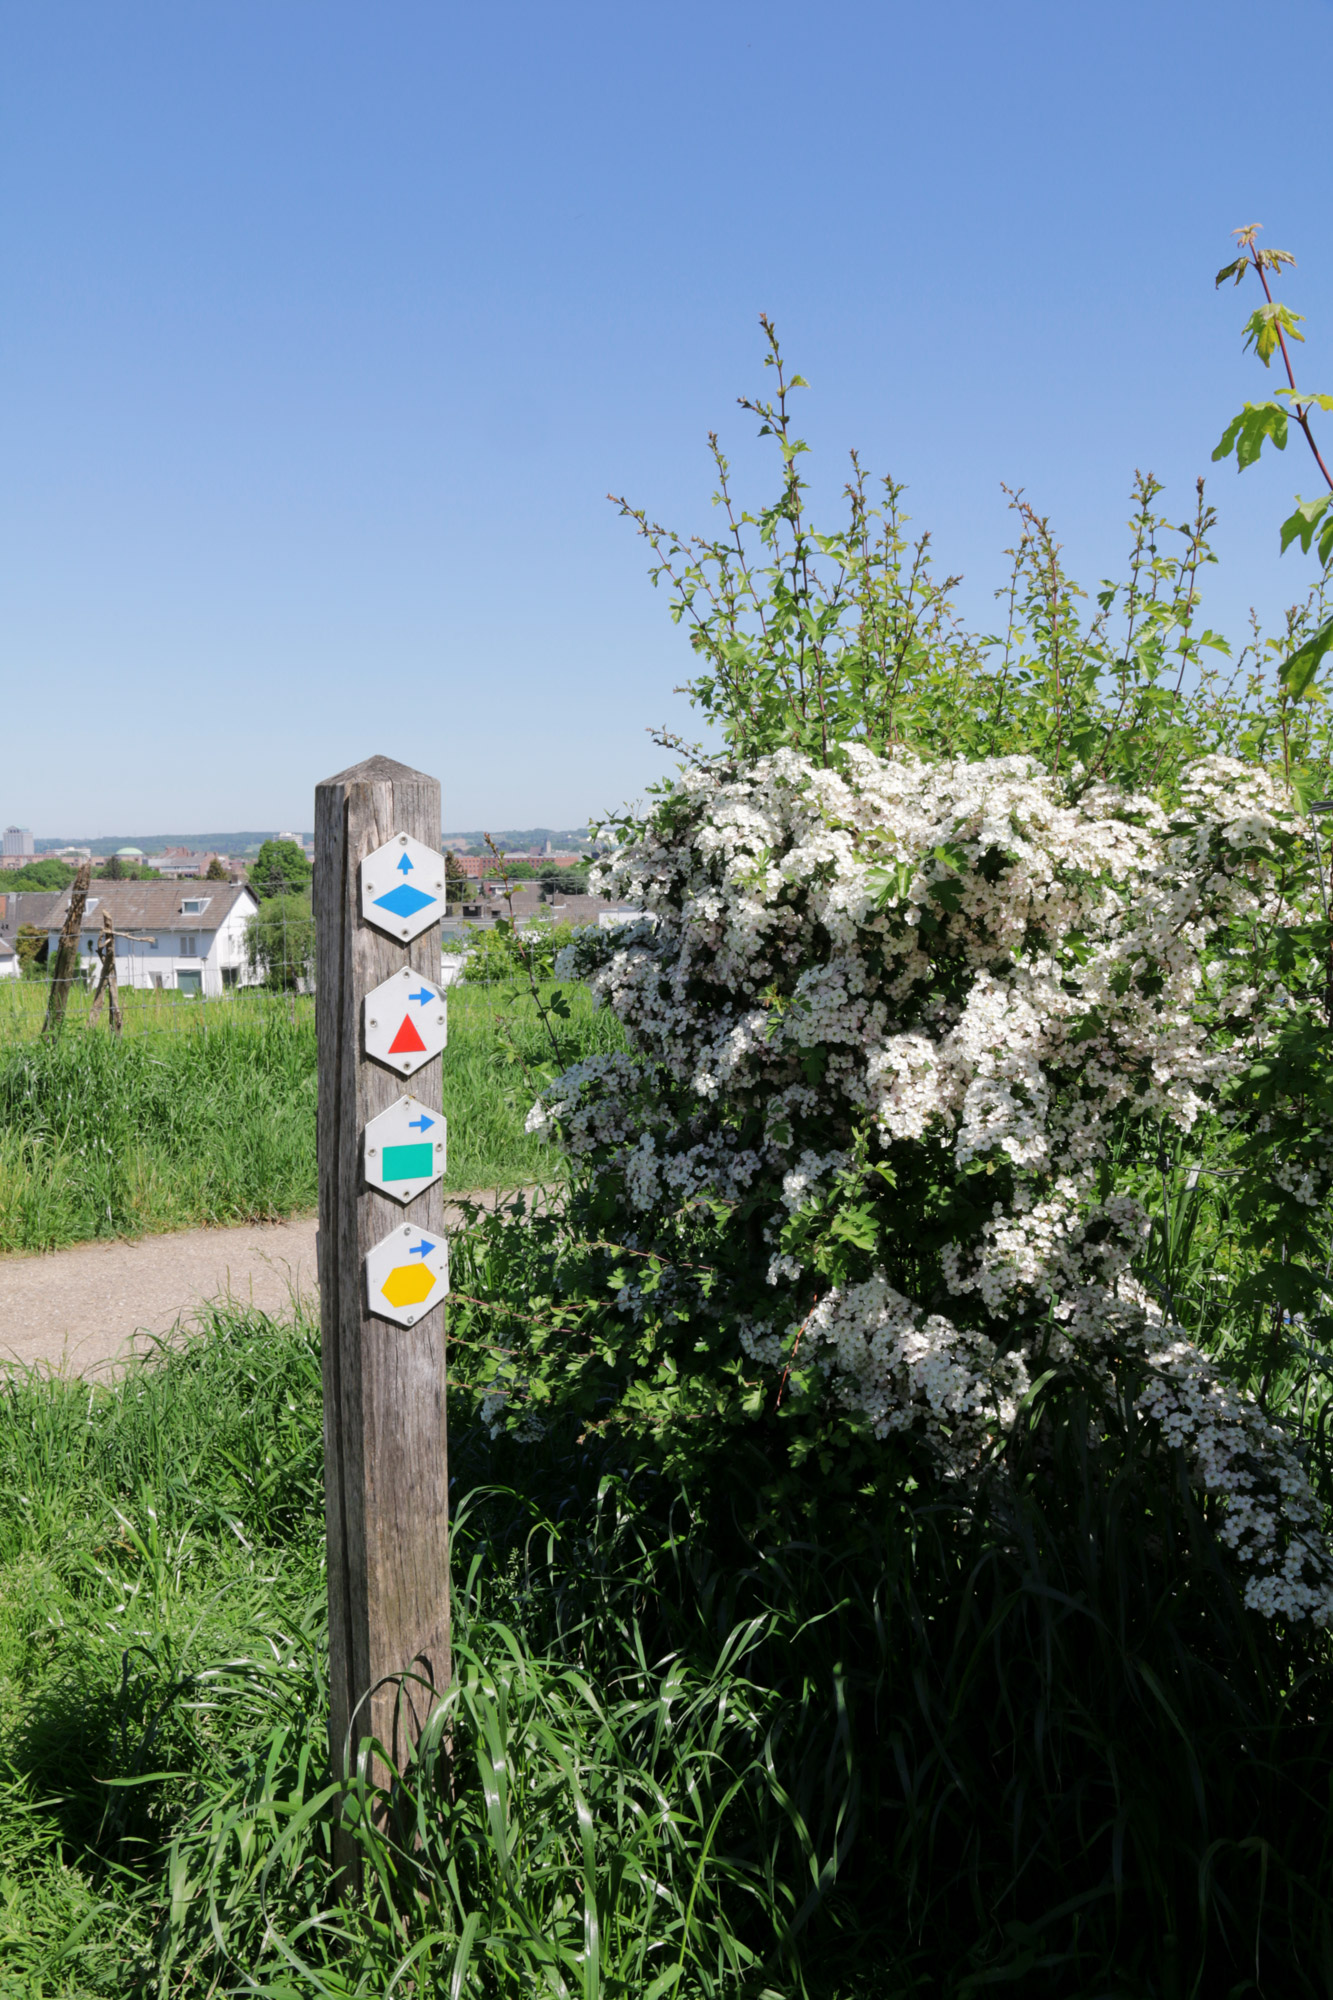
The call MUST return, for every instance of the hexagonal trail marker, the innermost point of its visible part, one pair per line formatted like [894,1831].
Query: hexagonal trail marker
[405,1149]
[406,1022]
[407,1274]
[403,887]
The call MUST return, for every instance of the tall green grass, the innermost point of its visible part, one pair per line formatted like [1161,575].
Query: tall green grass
[216,1123]
[701,1741]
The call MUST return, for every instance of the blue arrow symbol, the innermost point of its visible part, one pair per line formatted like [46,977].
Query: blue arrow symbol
[404,866]
[423,998]
[422,1249]
[420,1124]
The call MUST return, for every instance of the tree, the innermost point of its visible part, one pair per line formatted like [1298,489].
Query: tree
[564,882]
[116,869]
[280,942]
[50,874]
[31,946]
[457,885]
[216,870]
[280,869]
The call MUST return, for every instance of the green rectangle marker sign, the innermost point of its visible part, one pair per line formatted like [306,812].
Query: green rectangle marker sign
[408,1163]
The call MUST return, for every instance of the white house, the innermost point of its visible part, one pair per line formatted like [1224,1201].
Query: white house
[186,937]
[9,960]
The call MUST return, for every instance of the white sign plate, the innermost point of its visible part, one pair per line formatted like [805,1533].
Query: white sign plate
[406,1021]
[402,888]
[407,1275]
[405,1149]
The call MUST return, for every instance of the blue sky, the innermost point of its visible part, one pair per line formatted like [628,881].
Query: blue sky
[328,327]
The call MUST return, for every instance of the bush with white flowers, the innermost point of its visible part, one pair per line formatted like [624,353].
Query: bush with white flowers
[889,1023]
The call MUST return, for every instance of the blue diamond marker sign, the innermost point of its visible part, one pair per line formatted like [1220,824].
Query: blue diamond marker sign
[402,888]
[405,1149]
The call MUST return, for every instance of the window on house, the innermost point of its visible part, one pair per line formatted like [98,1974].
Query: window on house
[189,947]
[195,906]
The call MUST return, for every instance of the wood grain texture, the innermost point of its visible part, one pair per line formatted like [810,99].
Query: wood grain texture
[385,1435]
[67,952]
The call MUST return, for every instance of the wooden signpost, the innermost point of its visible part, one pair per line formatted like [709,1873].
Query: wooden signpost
[382,1257]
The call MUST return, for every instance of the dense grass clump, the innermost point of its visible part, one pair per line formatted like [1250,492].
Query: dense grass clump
[707,1737]
[214,1121]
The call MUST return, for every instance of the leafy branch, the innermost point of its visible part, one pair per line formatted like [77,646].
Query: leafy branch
[1269,330]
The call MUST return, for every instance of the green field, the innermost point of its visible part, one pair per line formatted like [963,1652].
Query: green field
[205,1112]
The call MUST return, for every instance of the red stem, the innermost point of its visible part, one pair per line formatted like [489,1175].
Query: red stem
[1299,413]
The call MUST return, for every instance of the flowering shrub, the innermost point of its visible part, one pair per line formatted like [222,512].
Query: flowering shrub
[891,1024]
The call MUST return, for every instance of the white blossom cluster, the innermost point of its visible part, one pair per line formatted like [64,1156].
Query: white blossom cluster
[972,962]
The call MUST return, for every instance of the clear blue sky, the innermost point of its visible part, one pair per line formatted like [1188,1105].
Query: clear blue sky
[327,328]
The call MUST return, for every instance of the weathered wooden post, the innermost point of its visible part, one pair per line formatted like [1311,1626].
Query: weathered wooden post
[67,952]
[106,983]
[383,1272]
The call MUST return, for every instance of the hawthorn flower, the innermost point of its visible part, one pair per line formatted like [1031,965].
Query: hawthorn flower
[969,975]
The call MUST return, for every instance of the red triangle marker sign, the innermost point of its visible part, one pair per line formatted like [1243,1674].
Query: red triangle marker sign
[407,1042]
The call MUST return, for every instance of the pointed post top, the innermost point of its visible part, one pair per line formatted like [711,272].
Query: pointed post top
[375,771]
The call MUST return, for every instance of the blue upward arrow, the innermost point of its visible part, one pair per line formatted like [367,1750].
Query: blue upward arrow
[424,997]
[404,866]
[419,1124]
[422,1249]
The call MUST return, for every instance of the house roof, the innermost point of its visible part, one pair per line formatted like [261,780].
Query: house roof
[26,906]
[157,906]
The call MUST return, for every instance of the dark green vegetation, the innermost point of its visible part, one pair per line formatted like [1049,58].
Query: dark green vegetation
[280,868]
[213,1120]
[47,874]
[709,1737]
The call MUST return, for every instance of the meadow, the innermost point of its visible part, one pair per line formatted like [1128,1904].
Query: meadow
[204,1113]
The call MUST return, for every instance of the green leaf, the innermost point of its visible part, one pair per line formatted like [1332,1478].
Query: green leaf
[1304,522]
[1263,327]
[1245,434]
[1309,399]
[1236,271]
[857,1225]
[1297,673]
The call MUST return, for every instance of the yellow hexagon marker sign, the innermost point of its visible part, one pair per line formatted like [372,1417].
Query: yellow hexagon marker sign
[407,1275]
[408,1285]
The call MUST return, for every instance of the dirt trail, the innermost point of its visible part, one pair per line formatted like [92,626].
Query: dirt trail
[89,1308]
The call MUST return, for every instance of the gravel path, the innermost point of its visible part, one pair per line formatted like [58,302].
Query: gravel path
[86,1309]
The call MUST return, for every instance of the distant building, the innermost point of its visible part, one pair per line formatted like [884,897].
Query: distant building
[9,960]
[18,840]
[166,937]
[179,864]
